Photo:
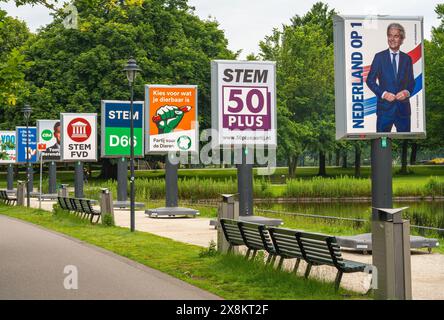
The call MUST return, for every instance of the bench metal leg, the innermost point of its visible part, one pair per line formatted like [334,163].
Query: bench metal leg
[338,280]
[281,263]
[254,254]
[230,249]
[248,253]
[307,271]
[273,259]
[296,265]
[270,256]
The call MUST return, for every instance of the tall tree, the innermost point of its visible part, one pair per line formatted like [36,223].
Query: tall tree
[13,35]
[74,69]
[303,51]
[434,70]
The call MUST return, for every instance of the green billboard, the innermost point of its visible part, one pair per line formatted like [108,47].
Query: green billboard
[116,129]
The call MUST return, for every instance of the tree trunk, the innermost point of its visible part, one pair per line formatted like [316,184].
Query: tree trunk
[109,170]
[292,165]
[405,145]
[413,153]
[338,157]
[357,161]
[344,159]
[322,170]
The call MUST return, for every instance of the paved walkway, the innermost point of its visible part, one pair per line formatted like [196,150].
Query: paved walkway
[427,269]
[33,262]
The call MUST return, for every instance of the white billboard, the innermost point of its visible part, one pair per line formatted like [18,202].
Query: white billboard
[379,77]
[7,147]
[243,102]
[79,136]
[48,139]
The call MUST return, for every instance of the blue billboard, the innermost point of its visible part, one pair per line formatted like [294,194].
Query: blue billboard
[116,128]
[21,144]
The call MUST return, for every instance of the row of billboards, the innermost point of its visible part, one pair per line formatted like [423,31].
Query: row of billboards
[73,137]
[379,91]
[243,113]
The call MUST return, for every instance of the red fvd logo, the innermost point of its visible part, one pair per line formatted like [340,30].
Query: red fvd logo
[79,130]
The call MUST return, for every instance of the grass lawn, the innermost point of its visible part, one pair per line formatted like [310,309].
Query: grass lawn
[230,277]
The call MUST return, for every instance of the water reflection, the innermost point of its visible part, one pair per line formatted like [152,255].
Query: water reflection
[423,213]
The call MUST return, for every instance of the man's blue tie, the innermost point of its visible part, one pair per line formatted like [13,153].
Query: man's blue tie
[395,68]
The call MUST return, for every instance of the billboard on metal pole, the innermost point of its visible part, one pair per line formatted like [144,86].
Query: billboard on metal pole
[115,121]
[171,118]
[379,77]
[49,138]
[243,102]
[79,136]
[7,147]
[22,151]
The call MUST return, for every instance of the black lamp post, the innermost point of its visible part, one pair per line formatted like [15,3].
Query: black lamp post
[27,114]
[131,69]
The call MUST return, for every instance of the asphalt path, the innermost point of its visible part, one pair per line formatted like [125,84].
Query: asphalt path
[36,263]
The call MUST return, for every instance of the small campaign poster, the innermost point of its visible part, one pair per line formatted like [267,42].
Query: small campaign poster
[243,102]
[79,136]
[26,144]
[49,138]
[171,118]
[379,77]
[115,138]
[7,147]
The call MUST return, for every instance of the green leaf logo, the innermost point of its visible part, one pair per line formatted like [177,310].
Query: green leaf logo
[46,135]
[184,143]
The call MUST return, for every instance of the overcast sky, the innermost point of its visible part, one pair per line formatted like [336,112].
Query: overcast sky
[246,22]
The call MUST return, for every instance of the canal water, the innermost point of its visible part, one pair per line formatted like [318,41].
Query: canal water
[422,213]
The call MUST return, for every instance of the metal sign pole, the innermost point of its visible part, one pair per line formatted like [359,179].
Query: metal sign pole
[245,185]
[40,184]
[10,177]
[78,180]
[52,168]
[390,236]
[171,186]
[122,179]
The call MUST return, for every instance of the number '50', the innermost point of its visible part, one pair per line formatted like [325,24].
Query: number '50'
[237,97]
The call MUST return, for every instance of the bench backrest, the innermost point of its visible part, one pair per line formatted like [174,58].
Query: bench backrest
[87,207]
[320,248]
[256,236]
[285,242]
[232,232]
[61,202]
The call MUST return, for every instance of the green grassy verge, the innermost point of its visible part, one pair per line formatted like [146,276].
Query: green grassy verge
[227,276]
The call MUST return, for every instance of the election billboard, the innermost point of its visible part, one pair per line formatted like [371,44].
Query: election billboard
[171,118]
[243,102]
[26,144]
[79,136]
[7,147]
[115,126]
[48,139]
[379,77]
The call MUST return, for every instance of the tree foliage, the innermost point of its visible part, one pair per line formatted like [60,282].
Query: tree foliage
[303,52]
[74,69]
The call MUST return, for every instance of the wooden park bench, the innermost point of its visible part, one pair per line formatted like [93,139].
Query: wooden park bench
[319,249]
[7,198]
[80,207]
[315,249]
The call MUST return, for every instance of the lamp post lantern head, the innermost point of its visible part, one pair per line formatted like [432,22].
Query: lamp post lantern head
[131,69]
[27,111]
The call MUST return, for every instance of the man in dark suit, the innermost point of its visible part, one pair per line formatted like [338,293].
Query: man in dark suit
[391,80]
